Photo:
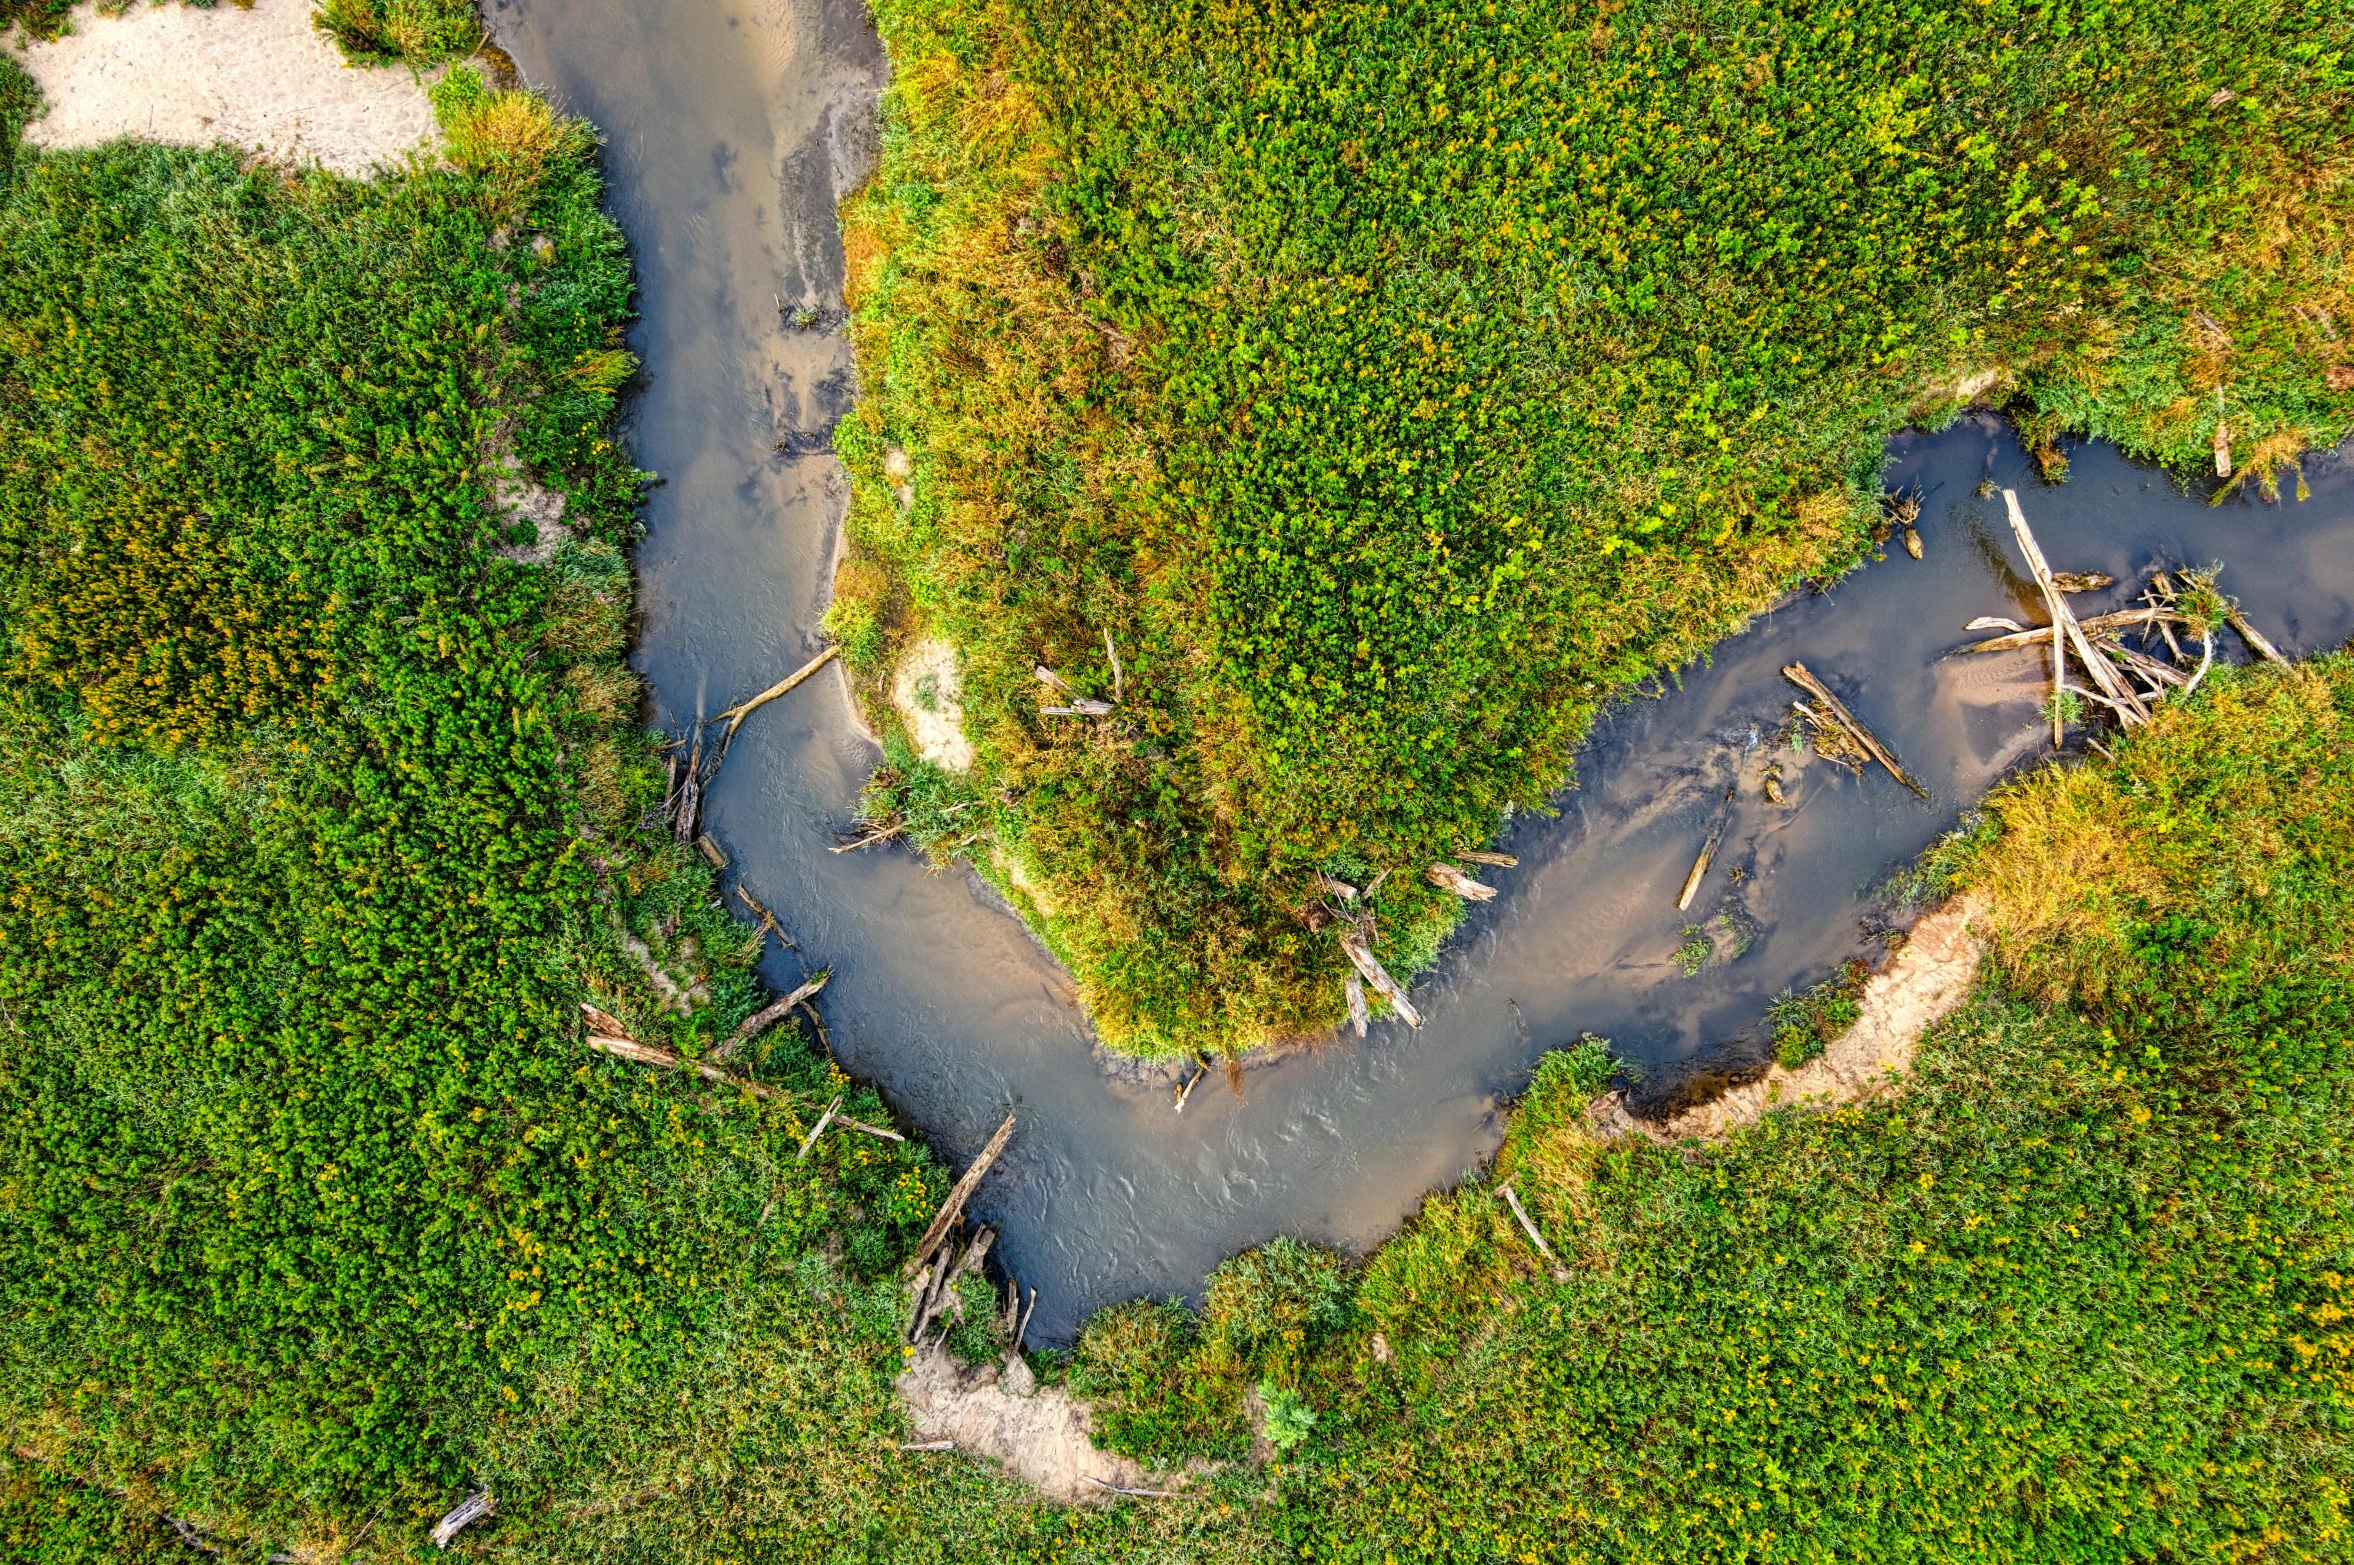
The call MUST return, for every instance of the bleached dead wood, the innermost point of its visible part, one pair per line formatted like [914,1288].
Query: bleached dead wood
[2041,635]
[1447,877]
[646,1054]
[1798,674]
[462,1516]
[883,834]
[1512,1198]
[1353,988]
[953,1207]
[1353,944]
[734,716]
[1338,887]
[819,1129]
[1499,860]
[2099,669]
[1119,680]
[1081,706]
[1141,1494]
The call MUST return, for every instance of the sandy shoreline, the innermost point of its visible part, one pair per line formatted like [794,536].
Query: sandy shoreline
[262,78]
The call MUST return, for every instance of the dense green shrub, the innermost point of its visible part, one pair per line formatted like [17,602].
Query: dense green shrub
[1390,383]
[2082,1291]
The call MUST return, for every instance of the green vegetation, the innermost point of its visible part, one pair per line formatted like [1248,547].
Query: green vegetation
[320,790]
[1804,1025]
[2082,1292]
[1393,382]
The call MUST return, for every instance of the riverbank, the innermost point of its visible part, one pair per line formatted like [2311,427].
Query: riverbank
[2078,1287]
[1227,420]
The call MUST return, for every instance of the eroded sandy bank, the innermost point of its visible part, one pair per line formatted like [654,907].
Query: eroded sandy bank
[261,78]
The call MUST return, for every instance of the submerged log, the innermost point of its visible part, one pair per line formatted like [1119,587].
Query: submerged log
[1447,877]
[734,716]
[1798,674]
[1716,833]
[1352,942]
[953,1207]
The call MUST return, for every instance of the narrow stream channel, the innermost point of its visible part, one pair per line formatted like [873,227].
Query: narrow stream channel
[732,129]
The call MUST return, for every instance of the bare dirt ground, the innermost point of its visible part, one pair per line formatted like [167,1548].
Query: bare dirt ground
[1926,979]
[1039,1435]
[263,79]
[930,695]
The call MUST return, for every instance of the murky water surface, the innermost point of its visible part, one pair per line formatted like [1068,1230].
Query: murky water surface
[732,130]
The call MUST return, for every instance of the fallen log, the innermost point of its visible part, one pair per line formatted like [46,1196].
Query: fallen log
[2082,581]
[1353,988]
[1141,1494]
[1716,833]
[462,1516]
[1081,706]
[1447,877]
[825,1119]
[1119,681]
[1185,1088]
[870,839]
[2041,635]
[768,1016]
[1798,675]
[1352,943]
[1512,1198]
[2255,638]
[734,716]
[646,1054]
[712,854]
[1499,860]
[2102,673]
[953,1207]
[768,920]
[1338,887]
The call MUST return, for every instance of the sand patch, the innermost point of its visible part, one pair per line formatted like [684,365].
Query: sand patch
[1928,978]
[1040,1436]
[263,79]
[929,694]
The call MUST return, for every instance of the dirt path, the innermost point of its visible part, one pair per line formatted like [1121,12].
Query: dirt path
[260,78]
[1927,979]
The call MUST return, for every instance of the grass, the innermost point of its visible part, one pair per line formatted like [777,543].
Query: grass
[369,32]
[2081,1292]
[1389,402]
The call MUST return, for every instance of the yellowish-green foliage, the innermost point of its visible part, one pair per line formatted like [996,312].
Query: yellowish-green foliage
[2082,1291]
[1392,383]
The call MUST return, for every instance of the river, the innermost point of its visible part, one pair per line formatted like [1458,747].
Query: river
[732,130]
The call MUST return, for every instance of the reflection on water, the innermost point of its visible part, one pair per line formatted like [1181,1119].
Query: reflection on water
[732,129]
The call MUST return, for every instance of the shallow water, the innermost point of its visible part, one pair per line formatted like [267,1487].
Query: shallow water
[732,129]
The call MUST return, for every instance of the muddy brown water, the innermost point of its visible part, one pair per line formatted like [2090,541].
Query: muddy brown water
[731,132]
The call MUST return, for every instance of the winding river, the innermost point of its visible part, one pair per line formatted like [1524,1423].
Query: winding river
[732,130]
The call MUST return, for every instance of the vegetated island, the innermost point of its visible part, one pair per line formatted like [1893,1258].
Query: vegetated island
[320,1224]
[1282,430]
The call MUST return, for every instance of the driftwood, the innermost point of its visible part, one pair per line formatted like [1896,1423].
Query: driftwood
[768,920]
[883,834]
[1052,680]
[953,1207]
[1081,706]
[462,1516]
[2041,635]
[2082,581]
[929,1445]
[1352,942]
[2103,673]
[1119,680]
[1716,834]
[712,855]
[1141,1494]
[690,797]
[1499,860]
[734,716]
[1353,988]
[646,1054]
[1338,887]
[819,1129]
[941,1294]
[1512,1198]
[1447,877]
[768,1016]
[1185,1089]
[2254,638]
[1798,675]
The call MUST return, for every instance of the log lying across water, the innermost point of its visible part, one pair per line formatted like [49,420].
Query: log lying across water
[734,716]
[953,1207]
